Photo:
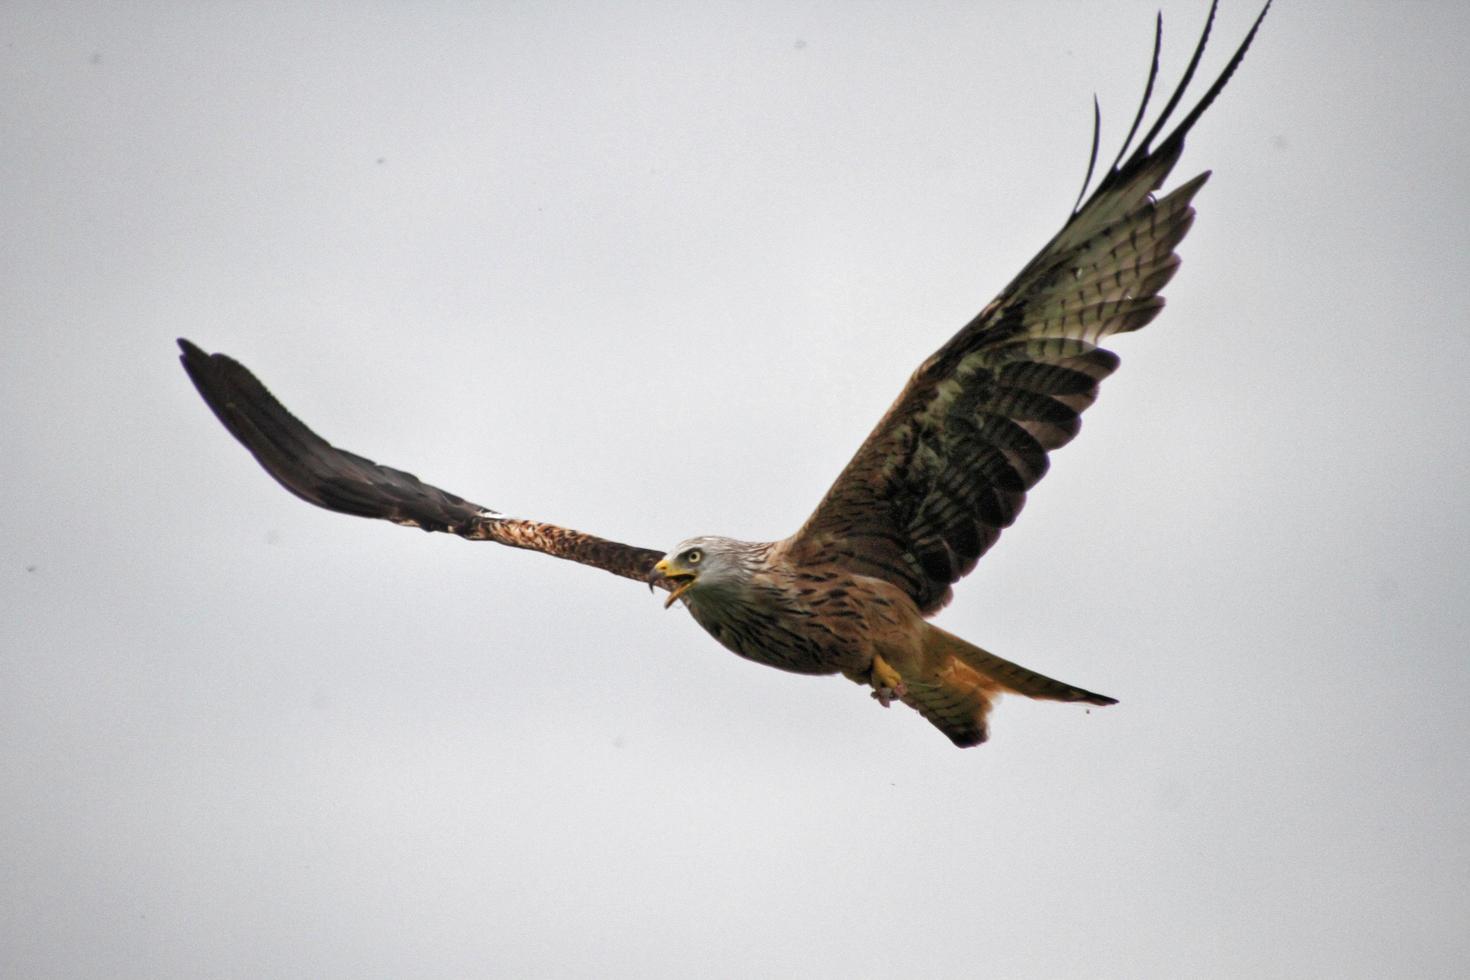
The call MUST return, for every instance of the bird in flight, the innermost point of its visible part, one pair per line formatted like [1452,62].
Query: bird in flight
[928,492]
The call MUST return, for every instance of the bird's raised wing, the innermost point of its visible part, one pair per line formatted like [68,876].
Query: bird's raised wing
[949,465]
[320,473]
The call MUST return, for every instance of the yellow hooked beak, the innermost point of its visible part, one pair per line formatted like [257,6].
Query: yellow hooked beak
[675,572]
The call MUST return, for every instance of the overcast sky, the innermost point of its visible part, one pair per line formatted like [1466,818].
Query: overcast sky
[654,270]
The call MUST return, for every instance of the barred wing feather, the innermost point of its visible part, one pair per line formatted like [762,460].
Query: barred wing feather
[948,467]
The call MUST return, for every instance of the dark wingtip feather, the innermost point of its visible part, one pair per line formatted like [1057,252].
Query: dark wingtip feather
[1148,90]
[1214,90]
[195,361]
[1199,52]
[305,463]
[1175,139]
[1127,164]
[1092,157]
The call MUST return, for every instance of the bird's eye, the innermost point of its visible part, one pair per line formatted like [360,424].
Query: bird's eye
[694,556]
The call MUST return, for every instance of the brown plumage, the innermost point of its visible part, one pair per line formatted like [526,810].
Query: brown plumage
[928,492]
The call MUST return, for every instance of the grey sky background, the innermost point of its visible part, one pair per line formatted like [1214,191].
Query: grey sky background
[654,270]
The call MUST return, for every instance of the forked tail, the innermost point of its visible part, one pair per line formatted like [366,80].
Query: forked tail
[960,681]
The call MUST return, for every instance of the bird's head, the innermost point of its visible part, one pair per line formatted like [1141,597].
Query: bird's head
[701,563]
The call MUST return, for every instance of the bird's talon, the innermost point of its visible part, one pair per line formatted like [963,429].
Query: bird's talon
[887,684]
[887,695]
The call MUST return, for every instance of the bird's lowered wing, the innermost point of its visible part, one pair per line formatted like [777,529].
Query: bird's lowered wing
[948,467]
[320,473]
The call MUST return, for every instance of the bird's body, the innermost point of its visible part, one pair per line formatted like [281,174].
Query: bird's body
[824,619]
[927,494]
[799,618]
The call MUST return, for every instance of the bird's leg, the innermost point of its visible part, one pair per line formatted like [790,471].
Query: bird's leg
[887,685]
